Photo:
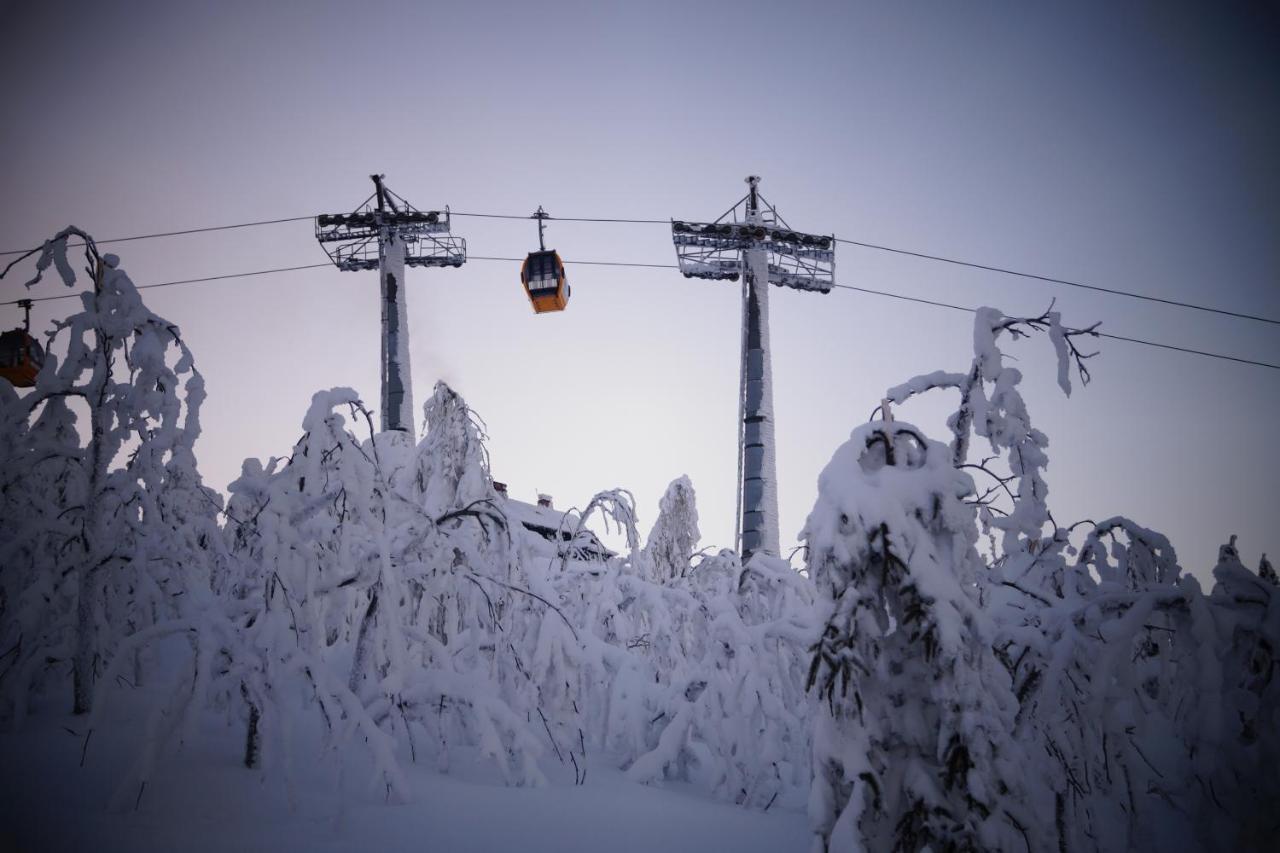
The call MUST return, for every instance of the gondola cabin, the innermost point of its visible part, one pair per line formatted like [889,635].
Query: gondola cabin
[20,357]
[544,281]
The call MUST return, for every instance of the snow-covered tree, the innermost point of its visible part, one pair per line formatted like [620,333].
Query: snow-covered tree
[1267,572]
[1109,686]
[1147,695]
[1072,689]
[1120,664]
[913,748]
[725,705]
[675,534]
[992,407]
[42,481]
[1240,753]
[389,575]
[451,465]
[1027,572]
[96,454]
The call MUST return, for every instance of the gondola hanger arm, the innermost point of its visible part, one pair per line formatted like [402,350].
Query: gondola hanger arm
[542,217]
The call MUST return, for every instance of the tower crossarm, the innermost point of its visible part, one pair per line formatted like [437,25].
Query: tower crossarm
[714,250]
[351,239]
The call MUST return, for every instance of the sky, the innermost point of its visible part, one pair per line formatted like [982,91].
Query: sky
[1130,146]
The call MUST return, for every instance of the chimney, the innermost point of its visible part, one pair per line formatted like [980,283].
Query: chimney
[544,500]
[500,488]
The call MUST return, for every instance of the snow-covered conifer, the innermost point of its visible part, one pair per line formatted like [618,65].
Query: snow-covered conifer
[913,747]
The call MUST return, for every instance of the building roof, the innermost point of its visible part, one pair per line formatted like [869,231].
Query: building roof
[548,521]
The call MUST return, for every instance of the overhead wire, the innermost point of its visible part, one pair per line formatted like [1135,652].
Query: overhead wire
[1242,315]
[1188,350]
[1101,334]
[184,231]
[1067,282]
[550,218]
[866,290]
[177,282]
[939,258]
[583,263]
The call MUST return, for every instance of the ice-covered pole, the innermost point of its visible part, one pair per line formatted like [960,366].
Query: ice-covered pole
[758,491]
[397,391]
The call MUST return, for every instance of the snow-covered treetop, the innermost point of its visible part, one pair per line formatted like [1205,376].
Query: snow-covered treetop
[992,407]
[675,534]
[452,463]
[887,473]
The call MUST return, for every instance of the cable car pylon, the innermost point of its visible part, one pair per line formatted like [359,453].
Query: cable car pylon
[759,247]
[387,233]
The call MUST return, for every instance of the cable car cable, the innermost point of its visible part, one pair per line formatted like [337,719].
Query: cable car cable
[1241,315]
[1063,281]
[1189,350]
[1099,334]
[173,233]
[899,296]
[517,260]
[564,218]
[75,294]
[942,259]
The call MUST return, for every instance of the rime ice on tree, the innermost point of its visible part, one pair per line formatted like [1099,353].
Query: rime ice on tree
[89,542]
[912,746]
[675,533]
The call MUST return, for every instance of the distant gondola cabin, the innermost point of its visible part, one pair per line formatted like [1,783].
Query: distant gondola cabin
[544,281]
[20,358]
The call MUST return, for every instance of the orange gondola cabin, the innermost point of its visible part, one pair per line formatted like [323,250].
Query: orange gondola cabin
[21,356]
[544,281]
[543,274]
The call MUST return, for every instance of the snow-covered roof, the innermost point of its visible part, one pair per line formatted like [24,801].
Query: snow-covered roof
[533,516]
[547,521]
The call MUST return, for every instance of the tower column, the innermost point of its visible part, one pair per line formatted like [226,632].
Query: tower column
[758,491]
[397,391]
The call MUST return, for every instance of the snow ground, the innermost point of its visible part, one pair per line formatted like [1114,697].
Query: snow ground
[202,799]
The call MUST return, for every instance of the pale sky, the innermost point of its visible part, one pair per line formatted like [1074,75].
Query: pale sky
[1125,145]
